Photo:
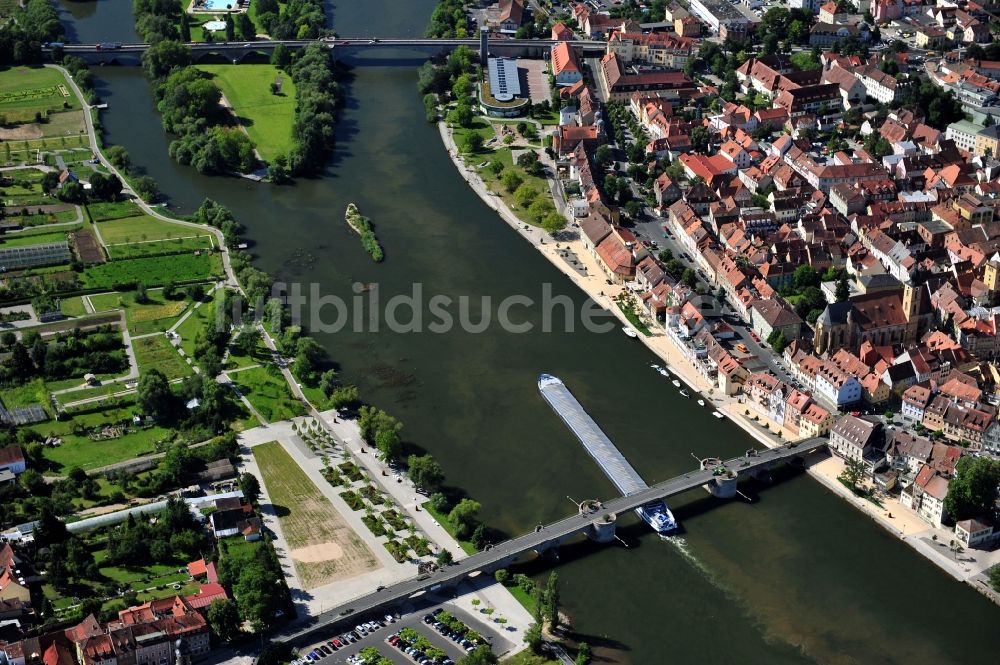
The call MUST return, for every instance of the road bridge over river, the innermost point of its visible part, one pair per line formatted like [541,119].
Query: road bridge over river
[541,539]
[236,51]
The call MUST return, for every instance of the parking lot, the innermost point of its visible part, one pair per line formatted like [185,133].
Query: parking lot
[377,638]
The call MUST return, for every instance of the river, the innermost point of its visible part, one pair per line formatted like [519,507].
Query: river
[797,577]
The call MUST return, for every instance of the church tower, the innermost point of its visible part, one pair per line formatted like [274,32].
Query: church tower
[911,309]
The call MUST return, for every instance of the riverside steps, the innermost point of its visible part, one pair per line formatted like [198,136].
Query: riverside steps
[541,539]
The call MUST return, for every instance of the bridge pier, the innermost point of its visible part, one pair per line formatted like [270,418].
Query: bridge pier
[723,483]
[602,528]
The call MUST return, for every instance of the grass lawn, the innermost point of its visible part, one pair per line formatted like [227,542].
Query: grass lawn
[19,240]
[267,117]
[154,270]
[72,306]
[269,393]
[322,546]
[156,352]
[104,210]
[142,228]
[25,91]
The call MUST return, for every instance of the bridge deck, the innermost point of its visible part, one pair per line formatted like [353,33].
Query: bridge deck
[605,453]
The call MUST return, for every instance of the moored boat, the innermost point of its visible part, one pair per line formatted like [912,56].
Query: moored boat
[630,332]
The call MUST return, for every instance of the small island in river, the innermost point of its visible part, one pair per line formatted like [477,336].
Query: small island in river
[363,226]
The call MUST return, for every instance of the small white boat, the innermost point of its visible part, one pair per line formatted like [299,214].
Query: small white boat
[718,415]
[656,367]
[663,372]
[685,393]
[630,332]
[677,384]
[701,402]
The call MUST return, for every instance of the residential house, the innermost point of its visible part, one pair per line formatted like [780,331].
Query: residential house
[915,401]
[975,534]
[774,314]
[815,422]
[565,66]
[836,386]
[511,15]
[926,496]
[858,439]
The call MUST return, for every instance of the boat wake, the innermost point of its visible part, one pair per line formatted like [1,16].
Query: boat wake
[681,546]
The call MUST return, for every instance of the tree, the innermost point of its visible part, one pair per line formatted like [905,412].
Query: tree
[146,188]
[72,192]
[105,187]
[603,156]
[246,343]
[250,486]
[425,472]
[230,27]
[389,444]
[50,181]
[853,473]
[688,277]
[699,139]
[444,557]
[552,601]
[244,27]
[805,276]
[777,341]
[533,638]
[153,393]
[464,517]
[583,655]
[439,502]
[164,57]
[973,490]
[553,223]
[481,655]
[511,181]
[141,296]
[119,157]
[524,195]
[430,107]
[461,115]
[224,618]
[329,381]
[501,576]
[478,538]
[994,576]
[473,142]
[843,291]
[281,56]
